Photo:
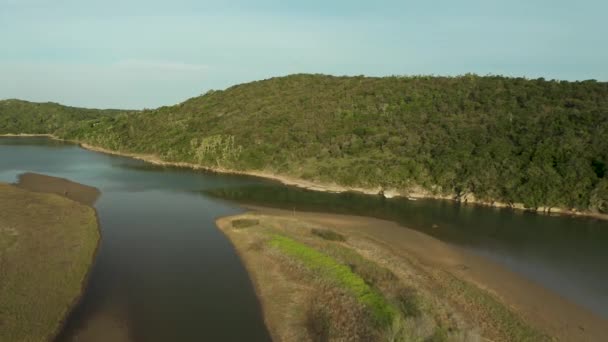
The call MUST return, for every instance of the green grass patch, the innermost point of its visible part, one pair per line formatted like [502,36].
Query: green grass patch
[327,234]
[381,310]
[371,272]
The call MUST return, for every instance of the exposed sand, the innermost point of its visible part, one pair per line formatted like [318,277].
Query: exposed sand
[540,307]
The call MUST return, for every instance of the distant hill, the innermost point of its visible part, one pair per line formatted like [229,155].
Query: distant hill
[537,142]
[17,116]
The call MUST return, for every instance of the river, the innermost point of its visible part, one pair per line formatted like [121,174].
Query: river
[164,272]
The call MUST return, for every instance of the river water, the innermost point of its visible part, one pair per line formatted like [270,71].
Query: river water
[165,273]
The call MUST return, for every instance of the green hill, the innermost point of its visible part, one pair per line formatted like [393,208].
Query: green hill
[17,116]
[537,142]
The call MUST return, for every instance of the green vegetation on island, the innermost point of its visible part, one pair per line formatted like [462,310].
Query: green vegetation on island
[47,244]
[513,140]
[380,310]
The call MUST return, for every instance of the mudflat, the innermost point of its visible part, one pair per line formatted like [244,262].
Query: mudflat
[81,193]
[47,245]
[497,303]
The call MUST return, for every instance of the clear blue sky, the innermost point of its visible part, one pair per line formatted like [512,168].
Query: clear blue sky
[147,53]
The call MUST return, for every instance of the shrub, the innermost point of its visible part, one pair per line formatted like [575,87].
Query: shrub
[328,234]
[244,223]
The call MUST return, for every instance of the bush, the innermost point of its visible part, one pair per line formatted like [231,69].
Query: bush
[328,234]
[244,223]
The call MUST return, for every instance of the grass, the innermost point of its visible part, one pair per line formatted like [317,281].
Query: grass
[371,272]
[47,244]
[382,311]
[328,234]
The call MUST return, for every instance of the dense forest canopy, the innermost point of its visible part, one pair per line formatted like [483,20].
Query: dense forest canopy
[537,142]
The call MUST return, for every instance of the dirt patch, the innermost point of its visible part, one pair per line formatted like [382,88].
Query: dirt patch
[42,183]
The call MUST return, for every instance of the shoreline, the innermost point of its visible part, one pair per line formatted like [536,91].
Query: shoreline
[331,188]
[85,283]
[255,283]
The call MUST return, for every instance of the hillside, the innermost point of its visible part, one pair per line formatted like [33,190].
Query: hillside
[537,142]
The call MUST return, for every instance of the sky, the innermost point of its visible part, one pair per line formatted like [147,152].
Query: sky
[148,53]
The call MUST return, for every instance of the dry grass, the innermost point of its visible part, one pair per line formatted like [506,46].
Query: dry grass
[47,244]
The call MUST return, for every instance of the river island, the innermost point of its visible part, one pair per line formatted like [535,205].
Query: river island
[326,277]
[48,240]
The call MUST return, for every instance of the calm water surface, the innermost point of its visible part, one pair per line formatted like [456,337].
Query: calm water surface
[166,271]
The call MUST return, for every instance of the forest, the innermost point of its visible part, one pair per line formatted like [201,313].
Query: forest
[543,143]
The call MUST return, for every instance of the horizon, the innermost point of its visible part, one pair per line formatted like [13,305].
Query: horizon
[152,54]
[312,74]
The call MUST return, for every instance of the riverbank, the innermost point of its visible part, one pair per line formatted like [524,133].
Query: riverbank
[481,296]
[47,245]
[335,188]
[412,194]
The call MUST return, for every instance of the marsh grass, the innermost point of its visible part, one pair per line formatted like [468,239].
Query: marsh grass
[409,302]
[373,274]
[47,244]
